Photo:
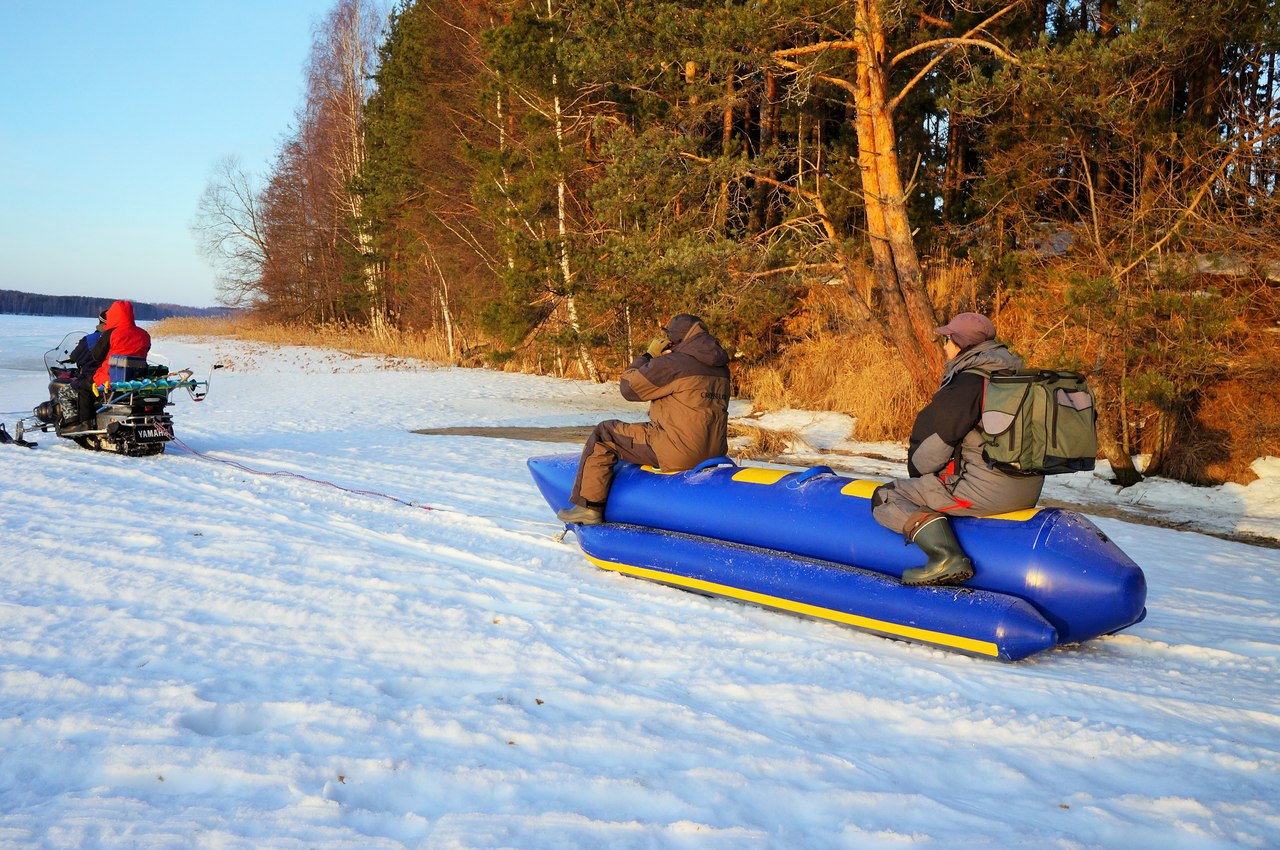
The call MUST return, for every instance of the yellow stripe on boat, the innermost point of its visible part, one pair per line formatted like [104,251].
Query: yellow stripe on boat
[1017,516]
[861,488]
[980,647]
[759,475]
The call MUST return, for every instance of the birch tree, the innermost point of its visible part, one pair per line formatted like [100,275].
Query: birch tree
[526,54]
[339,83]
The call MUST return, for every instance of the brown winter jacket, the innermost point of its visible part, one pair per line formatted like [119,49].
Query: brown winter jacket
[689,390]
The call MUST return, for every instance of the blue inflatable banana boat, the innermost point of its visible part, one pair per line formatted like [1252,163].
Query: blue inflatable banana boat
[805,542]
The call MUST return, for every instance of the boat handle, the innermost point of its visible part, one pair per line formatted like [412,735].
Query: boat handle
[812,472]
[715,461]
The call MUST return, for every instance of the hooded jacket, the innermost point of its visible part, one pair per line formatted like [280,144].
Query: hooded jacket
[120,336]
[688,388]
[949,472]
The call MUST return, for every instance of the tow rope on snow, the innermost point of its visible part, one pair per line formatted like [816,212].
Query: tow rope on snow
[280,473]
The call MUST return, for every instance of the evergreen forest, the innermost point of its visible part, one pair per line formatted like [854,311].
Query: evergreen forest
[540,184]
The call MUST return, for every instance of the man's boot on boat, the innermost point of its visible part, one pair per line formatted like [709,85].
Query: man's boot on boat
[581,515]
[947,564]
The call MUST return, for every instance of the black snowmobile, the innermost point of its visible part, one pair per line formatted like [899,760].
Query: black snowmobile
[127,414]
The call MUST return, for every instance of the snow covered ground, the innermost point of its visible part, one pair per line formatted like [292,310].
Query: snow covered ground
[193,655]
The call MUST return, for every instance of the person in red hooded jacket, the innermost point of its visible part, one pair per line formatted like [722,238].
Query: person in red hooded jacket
[120,337]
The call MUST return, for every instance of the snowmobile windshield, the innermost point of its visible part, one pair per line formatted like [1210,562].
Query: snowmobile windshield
[58,359]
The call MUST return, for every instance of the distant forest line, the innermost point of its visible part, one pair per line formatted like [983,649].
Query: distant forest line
[540,184]
[35,304]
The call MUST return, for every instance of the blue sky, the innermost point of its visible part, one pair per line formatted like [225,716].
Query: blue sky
[112,115]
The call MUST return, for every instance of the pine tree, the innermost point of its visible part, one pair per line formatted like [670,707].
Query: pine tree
[1132,134]
[436,251]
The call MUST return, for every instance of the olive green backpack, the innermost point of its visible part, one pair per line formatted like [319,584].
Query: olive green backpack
[1038,421]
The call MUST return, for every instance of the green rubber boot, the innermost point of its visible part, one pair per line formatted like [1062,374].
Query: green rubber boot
[948,564]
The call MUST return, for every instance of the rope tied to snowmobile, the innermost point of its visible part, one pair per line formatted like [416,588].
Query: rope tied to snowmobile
[281,473]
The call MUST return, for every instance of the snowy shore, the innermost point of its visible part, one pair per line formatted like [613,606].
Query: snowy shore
[199,653]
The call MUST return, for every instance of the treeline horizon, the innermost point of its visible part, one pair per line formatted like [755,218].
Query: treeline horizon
[825,181]
[16,302]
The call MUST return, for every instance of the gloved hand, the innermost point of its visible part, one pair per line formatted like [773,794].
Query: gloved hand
[657,346]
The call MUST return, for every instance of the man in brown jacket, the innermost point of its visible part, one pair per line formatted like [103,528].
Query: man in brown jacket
[685,374]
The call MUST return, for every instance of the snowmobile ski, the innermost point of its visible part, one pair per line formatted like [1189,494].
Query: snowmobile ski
[6,437]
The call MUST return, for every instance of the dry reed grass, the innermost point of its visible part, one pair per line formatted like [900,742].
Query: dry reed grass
[838,363]
[953,286]
[855,375]
[424,345]
[761,442]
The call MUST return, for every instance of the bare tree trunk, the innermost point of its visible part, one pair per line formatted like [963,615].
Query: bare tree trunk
[957,146]
[448,323]
[442,295]
[1113,421]
[1111,438]
[721,216]
[768,112]
[626,314]
[503,132]
[800,150]
[571,306]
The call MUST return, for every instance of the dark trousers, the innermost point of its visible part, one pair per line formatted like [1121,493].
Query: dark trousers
[610,441]
[902,505]
[86,401]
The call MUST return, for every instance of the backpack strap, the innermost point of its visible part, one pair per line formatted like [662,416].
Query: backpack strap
[986,379]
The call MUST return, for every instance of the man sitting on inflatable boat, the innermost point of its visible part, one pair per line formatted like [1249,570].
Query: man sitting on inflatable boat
[949,475]
[685,375]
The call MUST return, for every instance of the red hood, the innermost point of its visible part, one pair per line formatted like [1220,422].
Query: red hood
[120,314]
[127,339]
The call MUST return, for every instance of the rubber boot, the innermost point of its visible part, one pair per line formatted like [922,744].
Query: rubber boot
[947,564]
[579,515]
